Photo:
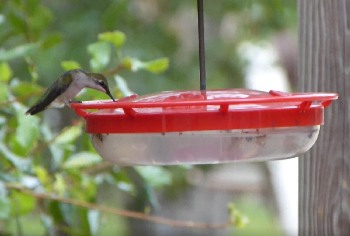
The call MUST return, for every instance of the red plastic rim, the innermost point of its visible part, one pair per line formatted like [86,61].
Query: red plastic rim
[179,111]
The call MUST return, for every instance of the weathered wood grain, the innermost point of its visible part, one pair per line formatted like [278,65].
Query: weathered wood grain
[324,65]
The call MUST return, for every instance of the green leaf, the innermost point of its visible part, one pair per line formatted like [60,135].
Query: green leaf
[59,185]
[157,66]
[5,72]
[4,92]
[84,227]
[21,203]
[17,21]
[101,53]
[24,88]
[27,131]
[51,40]
[70,65]
[68,135]
[117,38]
[19,51]
[42,175]
[39,18]
[20,163]
[82,159]
[56,211]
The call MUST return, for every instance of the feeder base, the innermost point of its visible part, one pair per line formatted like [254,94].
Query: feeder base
[205,147]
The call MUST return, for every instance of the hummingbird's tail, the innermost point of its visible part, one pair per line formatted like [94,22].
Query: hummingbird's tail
[49,97]
[35,109]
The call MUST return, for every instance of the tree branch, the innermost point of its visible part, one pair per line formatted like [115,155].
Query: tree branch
[120,212]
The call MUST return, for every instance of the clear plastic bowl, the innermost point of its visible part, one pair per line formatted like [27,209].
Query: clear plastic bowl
[205,147]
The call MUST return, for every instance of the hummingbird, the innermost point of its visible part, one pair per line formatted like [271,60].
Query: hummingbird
[67,86]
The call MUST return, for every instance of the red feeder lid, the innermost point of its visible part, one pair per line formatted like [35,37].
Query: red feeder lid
[178,111]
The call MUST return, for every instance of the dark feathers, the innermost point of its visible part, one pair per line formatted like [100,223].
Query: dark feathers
[50,95]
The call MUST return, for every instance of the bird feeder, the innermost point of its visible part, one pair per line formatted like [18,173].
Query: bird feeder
[204,126]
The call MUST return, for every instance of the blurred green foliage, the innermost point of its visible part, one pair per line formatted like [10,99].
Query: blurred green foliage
[142,46]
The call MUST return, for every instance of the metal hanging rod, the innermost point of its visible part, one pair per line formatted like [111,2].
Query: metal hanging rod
[202,73]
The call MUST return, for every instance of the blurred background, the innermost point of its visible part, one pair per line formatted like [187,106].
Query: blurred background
[249,43]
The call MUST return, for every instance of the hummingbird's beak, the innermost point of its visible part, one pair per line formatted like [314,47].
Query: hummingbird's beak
[109,94]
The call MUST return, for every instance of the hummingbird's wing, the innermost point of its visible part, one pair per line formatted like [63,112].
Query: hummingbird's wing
[55,90]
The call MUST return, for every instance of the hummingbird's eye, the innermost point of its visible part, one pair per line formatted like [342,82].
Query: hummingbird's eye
[102,83]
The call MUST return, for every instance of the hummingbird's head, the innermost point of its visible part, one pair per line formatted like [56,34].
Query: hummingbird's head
[100,81]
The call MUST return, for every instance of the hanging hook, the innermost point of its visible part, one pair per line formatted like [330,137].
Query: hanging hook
[202,75]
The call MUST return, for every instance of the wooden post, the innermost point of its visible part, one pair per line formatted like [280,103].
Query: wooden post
[324,65]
